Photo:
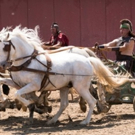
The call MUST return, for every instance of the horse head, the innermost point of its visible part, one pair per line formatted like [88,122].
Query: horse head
[18,43]
[5,50]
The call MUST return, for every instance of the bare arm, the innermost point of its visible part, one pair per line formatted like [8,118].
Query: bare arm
[108,46]
[47,43]
[126,46]
[56,46]
[111,44]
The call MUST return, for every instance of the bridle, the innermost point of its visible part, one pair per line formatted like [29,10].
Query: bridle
[7,48]
[45,81]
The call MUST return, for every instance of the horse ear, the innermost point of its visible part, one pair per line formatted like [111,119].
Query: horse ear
[7,37]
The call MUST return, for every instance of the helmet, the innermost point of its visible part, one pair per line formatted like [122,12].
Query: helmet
[126,23]
[55,25]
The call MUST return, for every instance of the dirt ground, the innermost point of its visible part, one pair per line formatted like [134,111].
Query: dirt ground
[120,120]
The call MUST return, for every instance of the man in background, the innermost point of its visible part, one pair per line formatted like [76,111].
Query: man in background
[57,39]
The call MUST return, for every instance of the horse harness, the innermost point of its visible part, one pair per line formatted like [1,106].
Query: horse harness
[24,66]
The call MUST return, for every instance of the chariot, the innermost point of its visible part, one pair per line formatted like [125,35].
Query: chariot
[126,94]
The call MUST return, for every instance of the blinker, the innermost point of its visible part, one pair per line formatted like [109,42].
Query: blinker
[7,48]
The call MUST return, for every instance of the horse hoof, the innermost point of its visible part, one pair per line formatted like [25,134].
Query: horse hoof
[83,108]
[28,122]
[12,106]
[31,121]
[19,106]
[3,109]
[84,122]
[24,108]
[31,106]
[39,111]
[49,109]
[50,122]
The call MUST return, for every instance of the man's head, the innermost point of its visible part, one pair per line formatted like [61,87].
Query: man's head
[125,27]
[54,28]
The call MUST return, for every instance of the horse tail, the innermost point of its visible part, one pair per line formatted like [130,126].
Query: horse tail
[105,76]
[90,53]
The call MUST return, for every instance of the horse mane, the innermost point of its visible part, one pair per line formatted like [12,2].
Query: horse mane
[4,32]
[30,36]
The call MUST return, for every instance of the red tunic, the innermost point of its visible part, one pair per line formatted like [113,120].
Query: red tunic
[60,37]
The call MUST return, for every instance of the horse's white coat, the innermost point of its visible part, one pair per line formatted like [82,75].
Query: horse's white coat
[25,41]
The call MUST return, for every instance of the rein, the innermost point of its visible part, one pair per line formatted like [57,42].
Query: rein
[41,71]
[45,80]
[36,53]
[33,56]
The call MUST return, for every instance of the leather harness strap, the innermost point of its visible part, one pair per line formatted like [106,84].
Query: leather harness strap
[24,66]
[46,79]
[7,48]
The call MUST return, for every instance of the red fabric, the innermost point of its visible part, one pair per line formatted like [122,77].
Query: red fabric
[60,37]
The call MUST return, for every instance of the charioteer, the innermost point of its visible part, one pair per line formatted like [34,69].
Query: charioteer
[124,45]
[57,40]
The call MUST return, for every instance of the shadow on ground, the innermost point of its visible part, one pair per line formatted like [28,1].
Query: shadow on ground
[20,124]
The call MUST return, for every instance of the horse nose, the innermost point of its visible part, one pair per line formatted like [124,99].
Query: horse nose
[3,66]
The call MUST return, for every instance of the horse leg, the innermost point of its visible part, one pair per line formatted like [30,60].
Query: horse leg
[29,103]
[91,102]
[102,105]
[63,104]
[3,100]
[31,112]
[1,96]
[82,104]
[31,87]
[8,82]
[88,98]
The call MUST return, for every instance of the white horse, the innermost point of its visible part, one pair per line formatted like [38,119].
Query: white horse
[67,68]
[70,49]
[41,99]
[8,81]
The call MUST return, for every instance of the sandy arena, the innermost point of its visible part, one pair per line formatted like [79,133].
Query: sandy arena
[120,120]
